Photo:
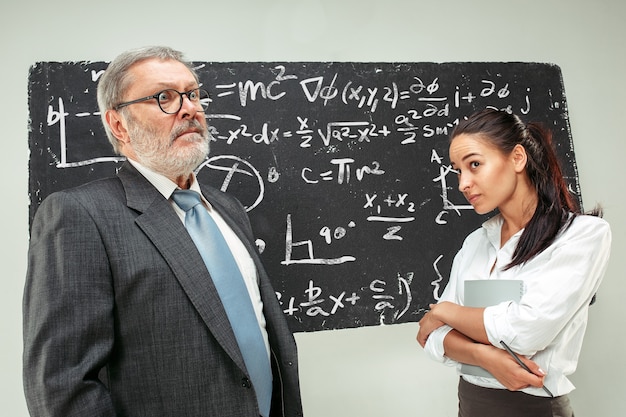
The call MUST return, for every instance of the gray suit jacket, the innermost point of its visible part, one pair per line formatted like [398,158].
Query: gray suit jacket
[117,292]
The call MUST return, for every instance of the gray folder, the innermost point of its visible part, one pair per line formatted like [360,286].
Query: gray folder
[485,293]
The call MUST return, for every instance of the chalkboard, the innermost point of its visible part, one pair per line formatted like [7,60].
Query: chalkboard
[342,166]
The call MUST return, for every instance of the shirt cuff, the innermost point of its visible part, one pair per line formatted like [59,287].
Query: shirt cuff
[434,345]
[496,324]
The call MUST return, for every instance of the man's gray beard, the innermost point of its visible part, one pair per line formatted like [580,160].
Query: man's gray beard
[159,156]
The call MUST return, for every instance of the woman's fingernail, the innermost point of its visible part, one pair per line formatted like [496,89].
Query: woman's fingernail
[541,371]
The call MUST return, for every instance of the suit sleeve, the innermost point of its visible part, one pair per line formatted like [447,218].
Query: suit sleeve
[67,313]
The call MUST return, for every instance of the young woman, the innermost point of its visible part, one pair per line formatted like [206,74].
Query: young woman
[538,236]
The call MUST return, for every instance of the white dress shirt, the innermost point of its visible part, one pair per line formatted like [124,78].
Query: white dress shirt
[245,263]
[548,324]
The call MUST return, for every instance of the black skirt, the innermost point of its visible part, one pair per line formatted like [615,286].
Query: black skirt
[475,401]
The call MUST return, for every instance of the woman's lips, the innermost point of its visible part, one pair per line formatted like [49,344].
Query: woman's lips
[472,198]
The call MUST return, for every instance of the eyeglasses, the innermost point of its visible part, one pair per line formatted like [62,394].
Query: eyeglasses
[170,101]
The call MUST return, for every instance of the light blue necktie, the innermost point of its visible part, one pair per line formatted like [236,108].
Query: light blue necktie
[232,291]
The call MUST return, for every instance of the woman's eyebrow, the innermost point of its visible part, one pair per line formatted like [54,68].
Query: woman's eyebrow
[470,155]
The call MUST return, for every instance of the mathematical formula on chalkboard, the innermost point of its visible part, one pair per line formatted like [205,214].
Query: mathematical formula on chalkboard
[342,167]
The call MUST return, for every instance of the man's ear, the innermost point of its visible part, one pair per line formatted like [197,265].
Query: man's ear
[117,124]
[519,158]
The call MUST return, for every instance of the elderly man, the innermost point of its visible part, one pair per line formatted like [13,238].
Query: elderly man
[145,295]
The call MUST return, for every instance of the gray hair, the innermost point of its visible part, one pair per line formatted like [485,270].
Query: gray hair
[116,79]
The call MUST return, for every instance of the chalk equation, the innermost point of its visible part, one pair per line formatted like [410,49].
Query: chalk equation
[342,167]
[391,299]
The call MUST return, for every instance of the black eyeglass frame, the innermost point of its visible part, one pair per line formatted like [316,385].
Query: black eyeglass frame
[180,99]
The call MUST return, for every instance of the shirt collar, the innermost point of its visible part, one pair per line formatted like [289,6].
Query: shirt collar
[493,228]
[163,184]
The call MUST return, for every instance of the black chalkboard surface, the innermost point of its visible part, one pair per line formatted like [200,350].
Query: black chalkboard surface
[342,166]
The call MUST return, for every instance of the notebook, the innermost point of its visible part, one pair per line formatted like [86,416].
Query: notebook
[485,293]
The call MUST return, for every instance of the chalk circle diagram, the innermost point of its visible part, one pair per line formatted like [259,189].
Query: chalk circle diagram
[233,168]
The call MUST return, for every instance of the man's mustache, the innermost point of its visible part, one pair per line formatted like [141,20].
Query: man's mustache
[189,125]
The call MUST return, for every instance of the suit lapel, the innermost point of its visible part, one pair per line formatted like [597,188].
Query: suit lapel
[159,222]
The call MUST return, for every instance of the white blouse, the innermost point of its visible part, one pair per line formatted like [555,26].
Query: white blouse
[548,324]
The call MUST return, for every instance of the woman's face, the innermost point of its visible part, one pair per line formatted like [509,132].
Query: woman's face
[488,178]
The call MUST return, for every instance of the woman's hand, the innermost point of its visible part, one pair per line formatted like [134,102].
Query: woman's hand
[427,324]
[510,374]
[467,320]
[433,319]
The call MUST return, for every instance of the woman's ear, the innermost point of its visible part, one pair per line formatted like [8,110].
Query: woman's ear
[519,158]
[117,125]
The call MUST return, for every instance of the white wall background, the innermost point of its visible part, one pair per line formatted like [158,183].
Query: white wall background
[378,371]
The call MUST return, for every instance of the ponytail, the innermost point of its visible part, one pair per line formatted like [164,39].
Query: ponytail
[556,207]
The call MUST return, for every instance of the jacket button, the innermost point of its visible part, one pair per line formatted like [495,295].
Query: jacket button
[245,382]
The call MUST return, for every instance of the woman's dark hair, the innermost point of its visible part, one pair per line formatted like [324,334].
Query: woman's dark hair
[555,203]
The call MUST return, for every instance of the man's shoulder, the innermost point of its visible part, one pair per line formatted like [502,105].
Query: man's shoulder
[97,193]
[99,188]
